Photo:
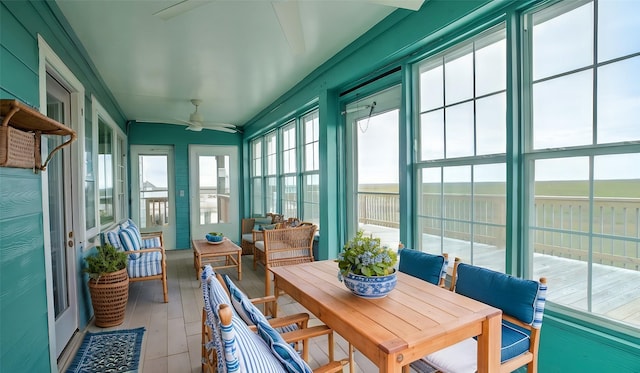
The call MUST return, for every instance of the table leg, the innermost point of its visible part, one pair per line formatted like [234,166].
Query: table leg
[239,254]
[489,344]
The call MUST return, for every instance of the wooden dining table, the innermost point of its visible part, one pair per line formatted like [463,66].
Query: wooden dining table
[415,319]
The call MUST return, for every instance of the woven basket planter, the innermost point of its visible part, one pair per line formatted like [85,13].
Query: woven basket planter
[109,297]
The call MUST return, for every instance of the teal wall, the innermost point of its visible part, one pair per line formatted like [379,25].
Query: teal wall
[24,340]
[176,136]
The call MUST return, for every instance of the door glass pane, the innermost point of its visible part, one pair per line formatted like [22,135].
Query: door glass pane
[213,189]
[154,190]
[57,206]
[378,173]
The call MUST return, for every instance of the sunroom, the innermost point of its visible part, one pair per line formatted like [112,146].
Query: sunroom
[500,132]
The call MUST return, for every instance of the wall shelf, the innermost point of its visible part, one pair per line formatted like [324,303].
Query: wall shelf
[30,123]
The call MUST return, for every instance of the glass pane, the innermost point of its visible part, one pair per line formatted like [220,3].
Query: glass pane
[289,196]
[272,194]
[458,77]
[257,158]
[271,154]
[432,135]
[154,190]
[257,202]
[456,201]
[618,102]
[616,242]
[311,193]
[490,216]
[105,171]
[430,192]
[491,67]
[89,177]
[618,28]
[562,43]
[491,125]
[208,190]
[559,227]
[459,131]
[430,235]
[431,90]
[562,111]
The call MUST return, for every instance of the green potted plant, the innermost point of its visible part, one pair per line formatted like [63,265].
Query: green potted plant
[367,267]
[108,285]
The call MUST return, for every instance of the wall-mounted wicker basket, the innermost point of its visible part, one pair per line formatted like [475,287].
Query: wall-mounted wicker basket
[22,127]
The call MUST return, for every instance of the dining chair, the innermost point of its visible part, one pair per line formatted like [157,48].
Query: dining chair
[522,303]
[229,344]
[281,247]
[428,267]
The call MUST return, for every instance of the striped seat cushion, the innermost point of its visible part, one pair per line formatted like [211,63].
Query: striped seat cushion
[149,243]
[148,264]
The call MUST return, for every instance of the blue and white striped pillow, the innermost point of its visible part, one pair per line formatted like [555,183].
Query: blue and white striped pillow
[131,241]
[289,358]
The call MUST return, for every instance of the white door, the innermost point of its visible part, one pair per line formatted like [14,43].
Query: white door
[213,180]
[152,190]
[60,220]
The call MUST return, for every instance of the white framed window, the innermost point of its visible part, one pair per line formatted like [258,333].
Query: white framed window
[581,155]
[461,157]
[257,199]
[109,157]
[288,174]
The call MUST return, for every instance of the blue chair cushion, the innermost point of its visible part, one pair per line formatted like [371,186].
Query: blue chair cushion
[131,241]
[149,264]
[514,296]
[259,222]
[422,265]
[515,341]
[287,356]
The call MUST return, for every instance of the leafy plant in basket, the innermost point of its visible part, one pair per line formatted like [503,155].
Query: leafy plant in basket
[367,257]
[108,285]
[108,259]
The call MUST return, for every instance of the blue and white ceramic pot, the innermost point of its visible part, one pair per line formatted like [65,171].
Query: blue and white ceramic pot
[370,287]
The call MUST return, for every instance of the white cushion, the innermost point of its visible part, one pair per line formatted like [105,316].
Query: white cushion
[259,245]
[248,237]
[462,357]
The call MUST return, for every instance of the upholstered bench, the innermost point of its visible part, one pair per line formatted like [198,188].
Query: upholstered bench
[147,258]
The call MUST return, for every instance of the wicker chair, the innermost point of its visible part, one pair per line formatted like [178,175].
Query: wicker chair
[283,247]
[250,234]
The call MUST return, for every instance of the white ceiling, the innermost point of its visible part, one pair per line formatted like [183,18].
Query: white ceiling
[232,54]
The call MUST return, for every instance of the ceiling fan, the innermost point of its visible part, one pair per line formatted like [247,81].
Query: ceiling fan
[196,121]
[287,12]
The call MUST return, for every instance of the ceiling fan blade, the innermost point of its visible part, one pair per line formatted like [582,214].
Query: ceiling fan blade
[404,4]
[218,125]
[288,13]
[179,8]
[194,128]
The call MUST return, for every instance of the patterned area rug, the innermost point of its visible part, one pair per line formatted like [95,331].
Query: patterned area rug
[113,351]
